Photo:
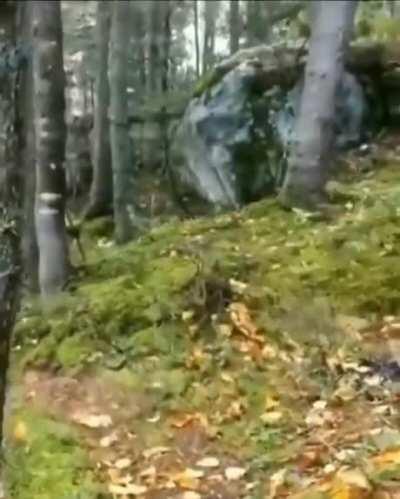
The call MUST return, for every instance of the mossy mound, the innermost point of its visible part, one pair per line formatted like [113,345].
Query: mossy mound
[134,297]
[154,317]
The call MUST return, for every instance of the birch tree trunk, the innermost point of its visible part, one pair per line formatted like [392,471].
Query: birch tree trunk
[50,133]
[196,36]
[101,192]
[313,144]
[125,213]
[234,26]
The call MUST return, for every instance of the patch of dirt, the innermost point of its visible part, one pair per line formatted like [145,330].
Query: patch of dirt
[107,416]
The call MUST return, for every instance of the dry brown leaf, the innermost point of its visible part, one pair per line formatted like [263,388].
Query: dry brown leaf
[108,440]
[122,463]
[190,494]
[155,451]
[234,473]
[188,478]
[272,417]
[116,477]
[240,317]
[276,481]
[130,489]
[208,462]
[92,420]
[187,419]
[235,410]
[348,484]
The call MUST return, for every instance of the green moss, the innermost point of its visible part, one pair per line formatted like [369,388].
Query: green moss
[133,297]
[211,78]
[99,228]
[51,463]
[74,351]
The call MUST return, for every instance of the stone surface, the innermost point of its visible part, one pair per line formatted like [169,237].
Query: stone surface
[235,135]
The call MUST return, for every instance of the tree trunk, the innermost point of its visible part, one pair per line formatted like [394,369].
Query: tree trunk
[139,34]
[30,252]
[313,145]
[210,14]
[50,133]
[11,195]
[196,36]
[234,26]
[125,215]
[101,192]
[165,43]
[155,57]
[258,27]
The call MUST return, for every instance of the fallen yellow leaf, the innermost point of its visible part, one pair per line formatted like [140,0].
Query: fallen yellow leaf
[20,432]
[188,478]
[389,457]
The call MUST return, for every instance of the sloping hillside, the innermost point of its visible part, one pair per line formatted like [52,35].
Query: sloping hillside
[248,355]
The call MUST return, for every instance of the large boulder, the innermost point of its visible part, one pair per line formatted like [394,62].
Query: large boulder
[224,137]
[234,133]
[351,110]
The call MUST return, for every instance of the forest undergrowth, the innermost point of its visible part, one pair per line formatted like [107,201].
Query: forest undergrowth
[252,354]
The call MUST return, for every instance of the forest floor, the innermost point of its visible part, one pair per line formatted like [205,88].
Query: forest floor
[253,354]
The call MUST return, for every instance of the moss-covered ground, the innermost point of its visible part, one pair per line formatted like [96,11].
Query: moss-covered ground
[219,357]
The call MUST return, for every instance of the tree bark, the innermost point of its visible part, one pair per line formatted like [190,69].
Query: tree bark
[155,57]
[139,34]
[234,26]
[125,213]
[11,197]
[30,251]
[196,36]
[50,134]
[101,192]
[312,151]
[210,14]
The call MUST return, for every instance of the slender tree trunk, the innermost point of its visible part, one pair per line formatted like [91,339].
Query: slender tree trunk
[139,33]
[50,133]
[101,192]
[155,57]
[125,214]
[196,36]
[165,44]
[11,196]
[30,251]
[314,134]
[210,14]
[234,26]
[164,123]
[258,26]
